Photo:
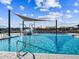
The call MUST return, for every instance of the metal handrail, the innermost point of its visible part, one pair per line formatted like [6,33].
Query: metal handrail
[18,51]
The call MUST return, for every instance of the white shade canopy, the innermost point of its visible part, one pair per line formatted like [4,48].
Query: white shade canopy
[29,19]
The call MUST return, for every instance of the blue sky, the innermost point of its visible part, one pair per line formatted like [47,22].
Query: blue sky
[66,11]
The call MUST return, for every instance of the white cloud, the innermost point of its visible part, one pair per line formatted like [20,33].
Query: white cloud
[24,14]
[60,6]
[9,7]
[68,16]
[3,23]
[44,10]
[0,18]
[52,16]
[68,11]
[39,16]
[76,4]
[32,14]
[29,1]
[56,15]
[38,3]
[47,4]
[15,24]
[22,7]
[76,11]
[5,1]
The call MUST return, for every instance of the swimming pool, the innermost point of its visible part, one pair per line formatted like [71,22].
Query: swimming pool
[43,43]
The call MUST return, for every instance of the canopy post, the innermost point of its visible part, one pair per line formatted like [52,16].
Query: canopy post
[9,23]
[56,35]
[23,25]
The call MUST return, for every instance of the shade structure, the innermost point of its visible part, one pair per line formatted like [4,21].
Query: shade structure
[24,18]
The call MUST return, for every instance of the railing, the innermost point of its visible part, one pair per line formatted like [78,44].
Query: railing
[19,55]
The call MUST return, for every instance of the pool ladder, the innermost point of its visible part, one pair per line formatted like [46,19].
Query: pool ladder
[19,55]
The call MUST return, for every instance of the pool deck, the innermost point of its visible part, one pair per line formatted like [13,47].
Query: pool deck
[5,35]
[12,55]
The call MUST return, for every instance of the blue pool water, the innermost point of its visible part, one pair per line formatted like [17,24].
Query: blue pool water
[43,43]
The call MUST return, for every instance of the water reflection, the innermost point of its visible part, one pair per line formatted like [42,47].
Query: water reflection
[9,44]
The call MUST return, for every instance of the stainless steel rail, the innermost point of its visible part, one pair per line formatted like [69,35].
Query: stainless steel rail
[19,55]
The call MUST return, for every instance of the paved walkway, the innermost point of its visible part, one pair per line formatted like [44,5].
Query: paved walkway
[12,55]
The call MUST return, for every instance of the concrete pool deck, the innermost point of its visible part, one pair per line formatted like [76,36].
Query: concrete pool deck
[12,55]
[5,35]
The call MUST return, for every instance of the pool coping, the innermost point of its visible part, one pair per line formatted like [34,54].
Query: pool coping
[9,37]
[12,55]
